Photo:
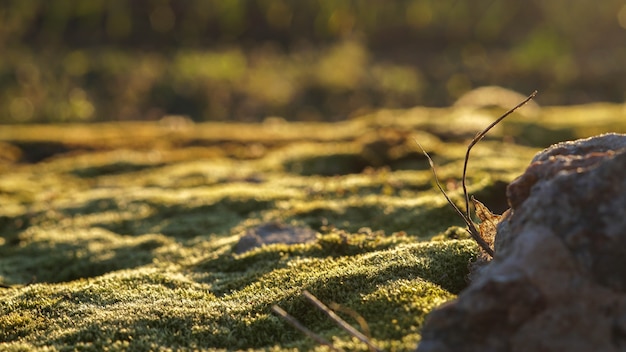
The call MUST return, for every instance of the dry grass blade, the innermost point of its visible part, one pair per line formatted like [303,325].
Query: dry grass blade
[488,222]
[340,322]
[471,228]
[356,316]
[434,171]
[477,139]
[296,324]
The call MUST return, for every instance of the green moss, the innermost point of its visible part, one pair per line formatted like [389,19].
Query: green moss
[171,307]
[129,248]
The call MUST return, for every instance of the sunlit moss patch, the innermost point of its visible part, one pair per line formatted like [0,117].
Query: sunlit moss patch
[131,243]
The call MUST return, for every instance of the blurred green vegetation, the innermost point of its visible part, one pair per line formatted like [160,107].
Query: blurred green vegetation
[76,60]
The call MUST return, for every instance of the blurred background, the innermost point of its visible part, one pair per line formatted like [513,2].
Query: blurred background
[321,60]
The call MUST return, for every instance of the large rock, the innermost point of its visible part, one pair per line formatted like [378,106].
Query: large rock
[558,279]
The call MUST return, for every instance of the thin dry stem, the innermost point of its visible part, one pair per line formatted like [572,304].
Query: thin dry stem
[356,316]
[467,217]
[296,324]
[340,322]
[477,139]
[434,171]
[471,228]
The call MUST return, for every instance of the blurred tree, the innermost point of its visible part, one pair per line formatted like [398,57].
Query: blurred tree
[115,59]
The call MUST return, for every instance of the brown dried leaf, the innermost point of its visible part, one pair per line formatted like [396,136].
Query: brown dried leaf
[488,222]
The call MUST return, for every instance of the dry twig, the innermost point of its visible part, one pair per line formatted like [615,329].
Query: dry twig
[296,324]
[477,139]
[340,322]
[467,217]
[332,315]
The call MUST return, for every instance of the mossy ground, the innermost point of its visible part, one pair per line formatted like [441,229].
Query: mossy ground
[121,236]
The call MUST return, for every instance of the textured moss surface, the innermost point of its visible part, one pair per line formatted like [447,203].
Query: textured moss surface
[122,235]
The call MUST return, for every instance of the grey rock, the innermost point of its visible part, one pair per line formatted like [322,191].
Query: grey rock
[273,232]
[558,279]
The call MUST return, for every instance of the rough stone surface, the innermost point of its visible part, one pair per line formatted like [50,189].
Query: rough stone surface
[558,279]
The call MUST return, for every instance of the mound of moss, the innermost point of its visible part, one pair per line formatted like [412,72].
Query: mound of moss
[123,236]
